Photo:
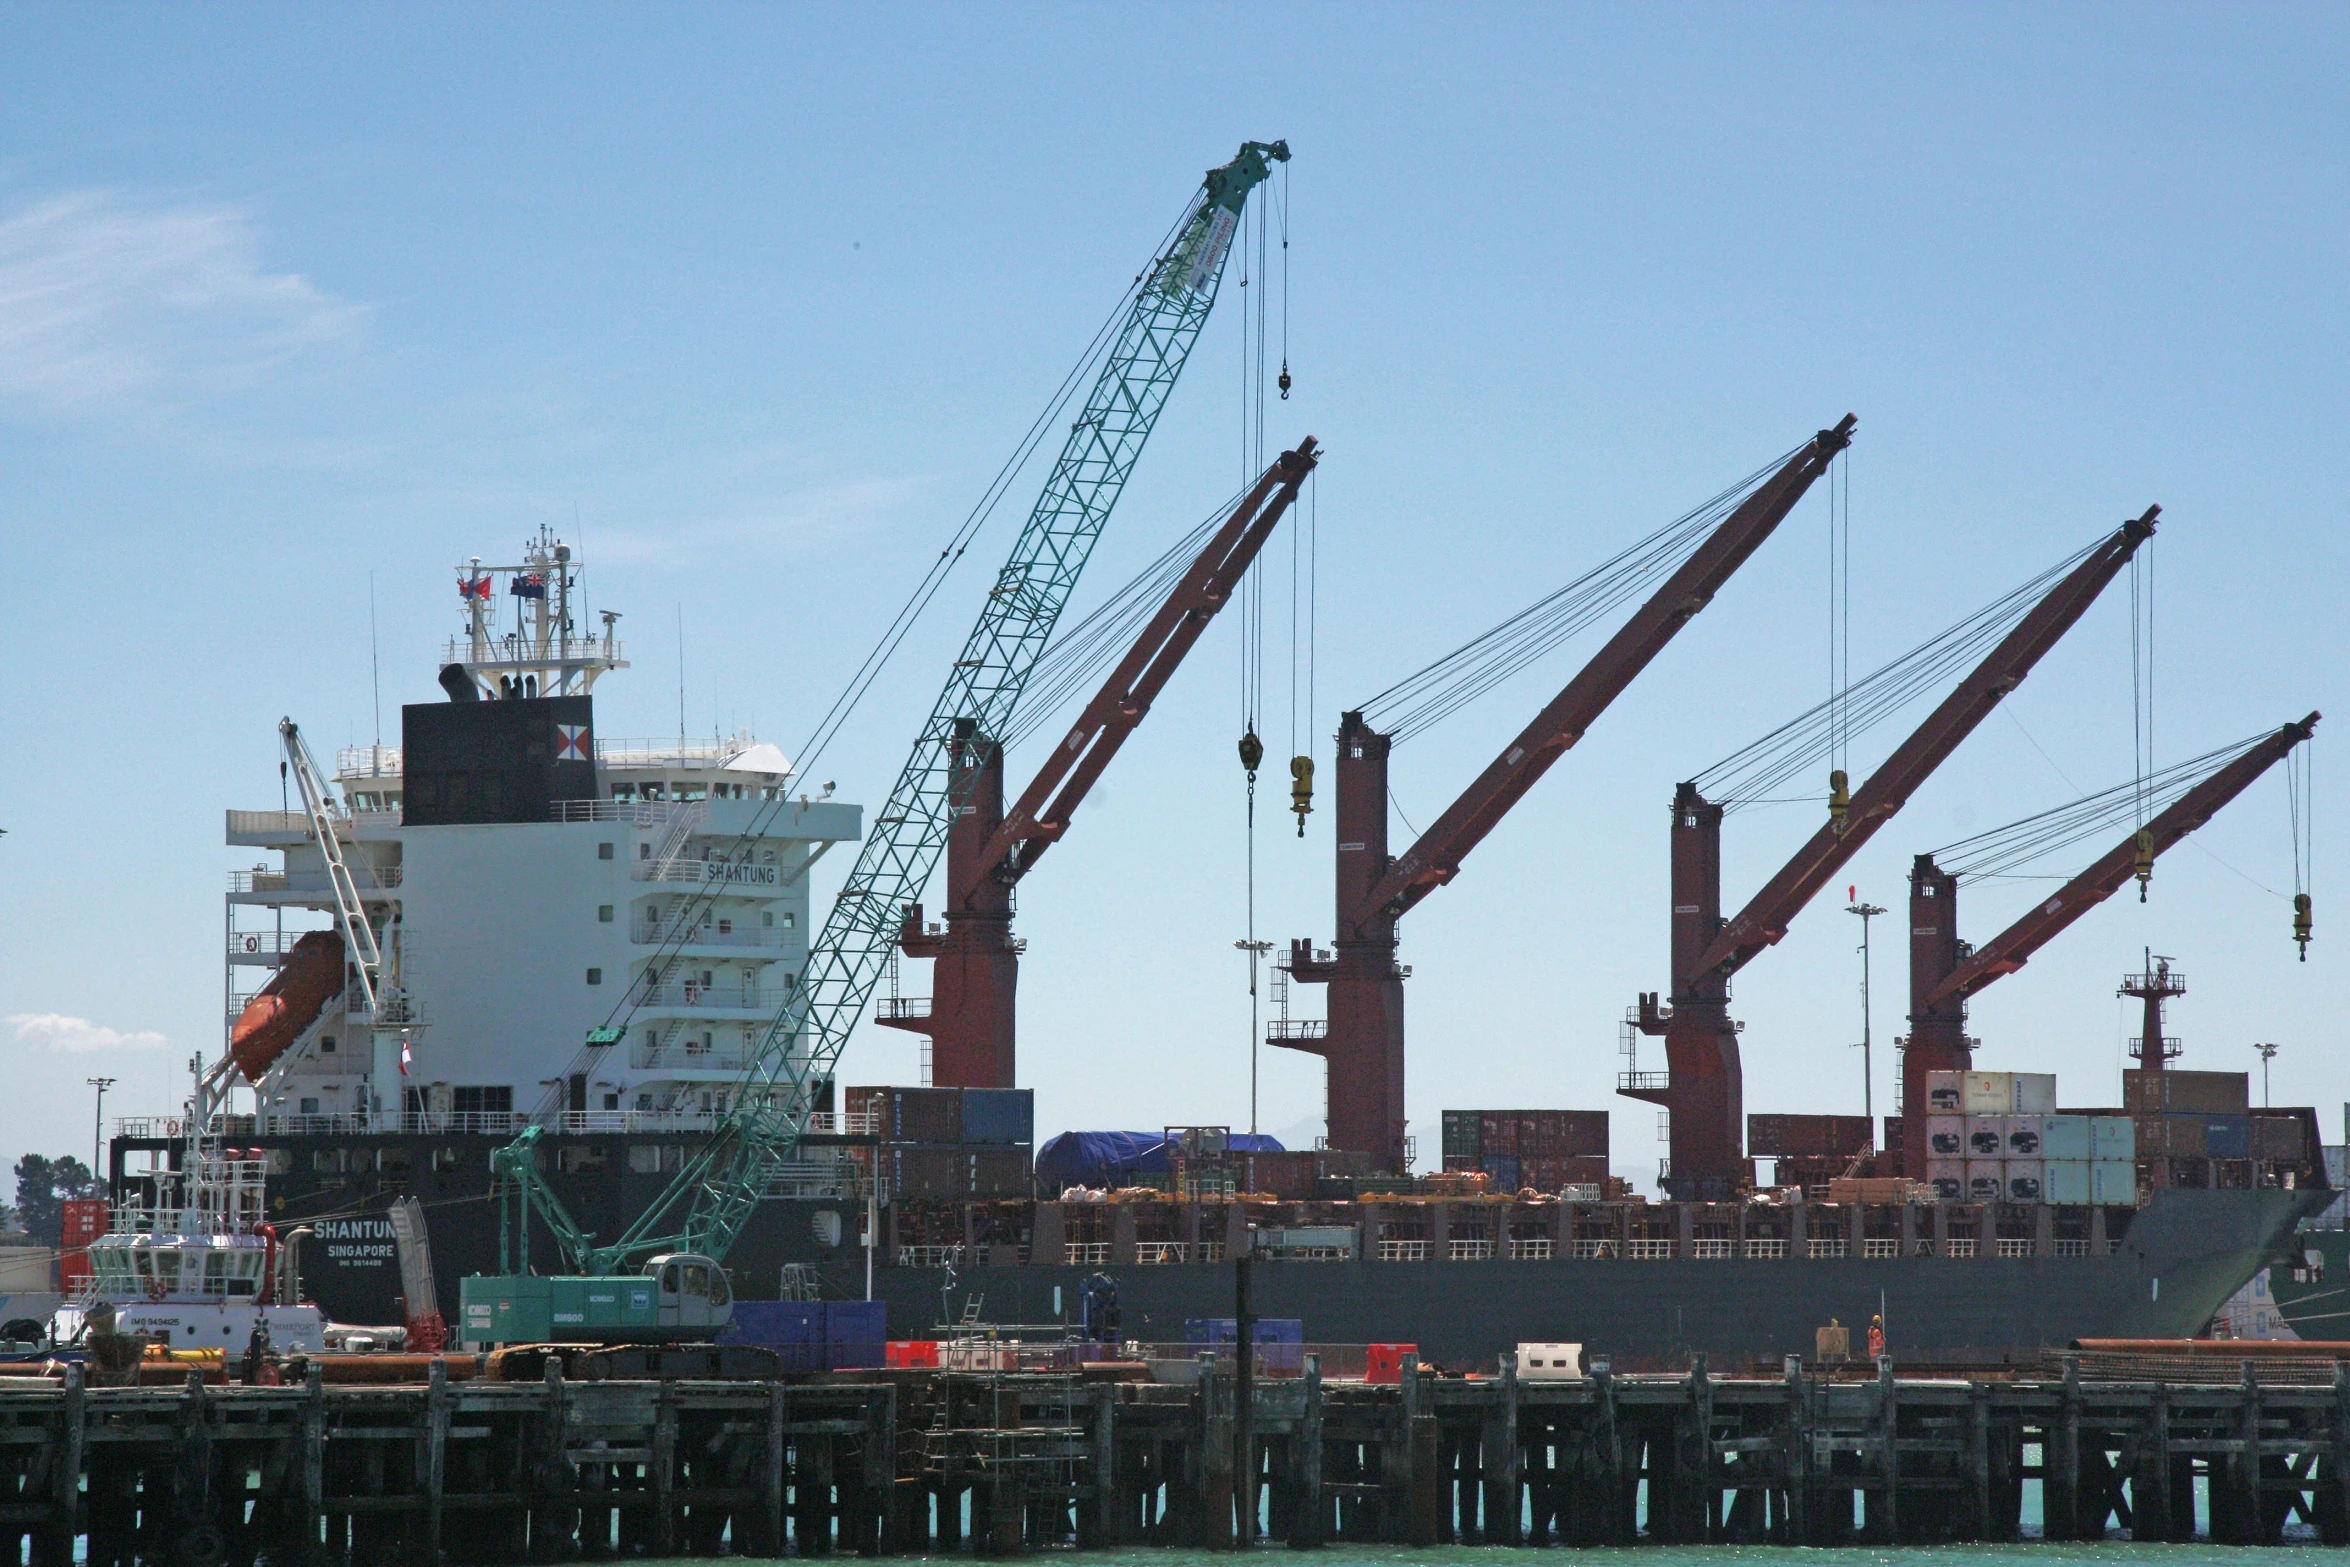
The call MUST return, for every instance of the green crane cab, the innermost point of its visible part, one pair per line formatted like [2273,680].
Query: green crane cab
[679,1296]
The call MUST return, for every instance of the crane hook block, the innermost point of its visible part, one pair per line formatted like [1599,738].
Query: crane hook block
[1839,799]
[2145,861]
[1301,790]
[1252,751]
[2302,923]
[1283,383]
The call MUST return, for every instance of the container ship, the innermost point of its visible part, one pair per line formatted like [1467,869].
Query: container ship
[437,926]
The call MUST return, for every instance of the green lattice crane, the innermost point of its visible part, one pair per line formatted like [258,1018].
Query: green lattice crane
[704,1209]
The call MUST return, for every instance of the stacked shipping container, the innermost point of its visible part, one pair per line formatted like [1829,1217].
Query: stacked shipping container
[1997,1137]
[1546,1150]
[948,1142]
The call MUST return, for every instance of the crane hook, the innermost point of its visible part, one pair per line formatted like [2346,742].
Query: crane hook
[1252,751]
[2145,861]
[1839,800]
[2302,923]
[1283,383]
[1301,790]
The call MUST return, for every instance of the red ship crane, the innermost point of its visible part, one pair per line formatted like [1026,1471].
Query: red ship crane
[1703,1086]
[970,1015]
[1363,1040]
[1944,973]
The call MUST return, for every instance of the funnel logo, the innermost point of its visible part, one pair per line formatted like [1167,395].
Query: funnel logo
[572,744]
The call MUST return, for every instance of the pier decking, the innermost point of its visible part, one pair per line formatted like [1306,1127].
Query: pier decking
[900,1462]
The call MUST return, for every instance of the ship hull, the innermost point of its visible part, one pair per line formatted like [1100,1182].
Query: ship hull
[2185,1254]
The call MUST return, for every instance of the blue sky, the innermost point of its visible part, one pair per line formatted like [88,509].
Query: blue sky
[753,301]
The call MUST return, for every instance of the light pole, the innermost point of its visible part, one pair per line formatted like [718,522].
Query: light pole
[98,1123]
[1868,1103]
[2268,1053]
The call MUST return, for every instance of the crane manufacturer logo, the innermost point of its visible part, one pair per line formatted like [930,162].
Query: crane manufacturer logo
[356,1243]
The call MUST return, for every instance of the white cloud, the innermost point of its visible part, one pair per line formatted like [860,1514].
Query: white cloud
[77,1035]
[102,297]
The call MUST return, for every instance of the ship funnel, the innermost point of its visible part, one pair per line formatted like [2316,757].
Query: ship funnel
[459,684]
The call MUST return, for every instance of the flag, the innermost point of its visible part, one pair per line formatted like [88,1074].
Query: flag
[528,585]
[406,1055]
[474,588]
[572,743]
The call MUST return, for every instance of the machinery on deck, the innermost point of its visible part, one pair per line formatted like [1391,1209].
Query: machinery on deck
[969,1016]
[696,1219]
[1944,972]
[1363,1039]
[1702,1088]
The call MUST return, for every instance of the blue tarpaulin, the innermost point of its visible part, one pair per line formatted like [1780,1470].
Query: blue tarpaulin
[1115,1158]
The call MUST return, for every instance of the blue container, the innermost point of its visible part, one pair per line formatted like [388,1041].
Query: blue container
[2066,1137]
[2227,1136]
[1503,1168]
[999,1115]
[2113,1137]
[2068,1180]
[1225,1330]
[794,1329]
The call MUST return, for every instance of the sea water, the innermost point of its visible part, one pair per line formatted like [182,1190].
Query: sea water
[2110,1553]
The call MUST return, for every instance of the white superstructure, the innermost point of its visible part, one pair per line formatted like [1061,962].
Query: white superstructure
[612,966]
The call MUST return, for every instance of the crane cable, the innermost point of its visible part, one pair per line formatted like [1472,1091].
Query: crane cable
[2142,702]
[1752,775]
[1440,689]
[2300,806]
[2002,851]
[852,695]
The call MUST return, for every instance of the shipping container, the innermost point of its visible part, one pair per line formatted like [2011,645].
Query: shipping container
[84,1221]
[1986,1180]
[2066,1137]
[1226,1330]
[2280,1137]
[1946,1136]
[2113,1181]
[1948,1178]
[1807,1136]
[1497,1131]
[1987,1093]
[2227,1136]
[1383,1363]
[2035,1093]
[2068,1181]
[1001,1172]
[1463,1134]
[1946,1093]
[1892,1133]
[1986,1136]
[2027,1180]
[1504,1170]
[2113,1137]
[999,1115]
[2022,1136]
[2187,1093]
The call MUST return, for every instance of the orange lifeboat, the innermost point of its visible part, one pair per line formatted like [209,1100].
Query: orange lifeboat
[305,982]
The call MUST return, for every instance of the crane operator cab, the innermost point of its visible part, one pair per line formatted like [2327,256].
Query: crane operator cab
[691,1292]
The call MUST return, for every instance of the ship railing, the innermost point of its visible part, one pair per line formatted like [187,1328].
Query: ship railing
[2071,1248]
[1879,1248]
[2011,1246]
[1766,1248]
[241,823]
[149,1126]
[510,650]
[1469,1251]
[815,1178]
[1537,1248]
[1298,1028]
[1643,1082]
[930,1256]
[707,935]
[730,998]
[368,878]
[1403,1251]
[1708,1249]
[1085,1254]
[900,1008]
[641,813]
[1825,1246]
[367,761]
[1641,1248]
[1959,1246]
[1593,1250]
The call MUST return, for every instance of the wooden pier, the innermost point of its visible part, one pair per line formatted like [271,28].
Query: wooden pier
[478,1471]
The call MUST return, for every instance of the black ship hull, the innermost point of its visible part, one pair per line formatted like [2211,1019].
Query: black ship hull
[2181,1257]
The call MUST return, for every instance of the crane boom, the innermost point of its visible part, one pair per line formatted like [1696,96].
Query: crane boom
[1042,813]
[713,1195]
[1436,858]
[2014,946]
[1764,920]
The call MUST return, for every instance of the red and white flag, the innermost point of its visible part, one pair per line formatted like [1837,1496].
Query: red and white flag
[572,744]
[406,1055]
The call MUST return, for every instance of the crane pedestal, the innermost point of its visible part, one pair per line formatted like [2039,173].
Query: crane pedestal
[971,1013]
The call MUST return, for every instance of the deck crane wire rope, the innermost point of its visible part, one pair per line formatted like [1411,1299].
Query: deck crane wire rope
[705,1207]
[1439,689]
[1754,774]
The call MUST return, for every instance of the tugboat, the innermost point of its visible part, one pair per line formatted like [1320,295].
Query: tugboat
[198,1267]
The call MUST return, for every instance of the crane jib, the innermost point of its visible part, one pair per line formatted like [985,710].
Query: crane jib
[705,1207]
